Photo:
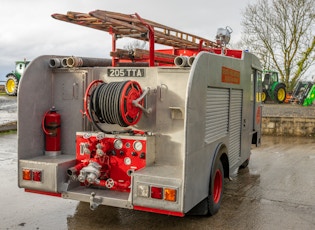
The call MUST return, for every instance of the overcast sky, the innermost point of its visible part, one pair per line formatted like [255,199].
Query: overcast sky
[28,30]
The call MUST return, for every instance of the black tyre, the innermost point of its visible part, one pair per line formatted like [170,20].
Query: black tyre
[11,85]
[280,93]
[215,188]
[245,164]
[264,95]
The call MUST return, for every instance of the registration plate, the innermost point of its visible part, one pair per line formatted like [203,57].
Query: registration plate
[125,72]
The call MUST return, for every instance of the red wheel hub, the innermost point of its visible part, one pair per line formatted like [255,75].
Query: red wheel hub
[217,186]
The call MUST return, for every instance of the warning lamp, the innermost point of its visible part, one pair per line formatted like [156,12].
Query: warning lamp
[156,192]
[37,175]
[27,174]
[170,194]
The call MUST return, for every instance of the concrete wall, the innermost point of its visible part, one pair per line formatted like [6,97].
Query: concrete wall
[288,126]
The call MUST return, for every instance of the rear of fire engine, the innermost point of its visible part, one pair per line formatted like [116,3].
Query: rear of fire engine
[151,130]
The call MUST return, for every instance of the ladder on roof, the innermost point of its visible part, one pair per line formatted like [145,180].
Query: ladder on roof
[133,26]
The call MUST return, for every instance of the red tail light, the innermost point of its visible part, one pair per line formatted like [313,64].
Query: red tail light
[37,175]
[156,192]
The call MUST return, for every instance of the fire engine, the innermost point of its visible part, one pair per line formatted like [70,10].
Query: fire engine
[154,130]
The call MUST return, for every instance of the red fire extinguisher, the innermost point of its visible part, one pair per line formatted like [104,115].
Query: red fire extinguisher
[51,126]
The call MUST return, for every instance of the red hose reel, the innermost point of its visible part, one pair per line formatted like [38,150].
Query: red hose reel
[130,113]
[114,102]
[87,97]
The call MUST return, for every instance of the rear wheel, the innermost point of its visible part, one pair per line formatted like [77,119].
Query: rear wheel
[264,95]
[11,85]
[245,164]
[215,188]
[280,93]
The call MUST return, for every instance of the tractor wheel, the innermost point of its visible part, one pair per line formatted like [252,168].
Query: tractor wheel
[215,188]
[264,95]
[280,93]
[11,85]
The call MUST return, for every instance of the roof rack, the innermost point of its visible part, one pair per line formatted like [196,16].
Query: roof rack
[124,25]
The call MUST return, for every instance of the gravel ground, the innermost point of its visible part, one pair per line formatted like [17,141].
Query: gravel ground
[288,110]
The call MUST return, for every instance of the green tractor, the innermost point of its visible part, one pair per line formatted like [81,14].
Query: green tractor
[303,93]
[272,88]
[12,82]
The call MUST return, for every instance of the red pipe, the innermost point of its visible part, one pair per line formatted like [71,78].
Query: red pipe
[151,39]
[113,45]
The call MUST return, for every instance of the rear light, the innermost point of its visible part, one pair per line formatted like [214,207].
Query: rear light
[143,190]
[37,175]
[170,194]
[27,174]
[156,192]
[32,174]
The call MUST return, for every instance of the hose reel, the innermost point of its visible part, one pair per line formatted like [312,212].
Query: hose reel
[114,103]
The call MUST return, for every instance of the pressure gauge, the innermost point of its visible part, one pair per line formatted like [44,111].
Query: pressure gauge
[137,145]
[127,161]
[118,144]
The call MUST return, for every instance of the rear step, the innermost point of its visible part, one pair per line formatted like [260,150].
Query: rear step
[98,197]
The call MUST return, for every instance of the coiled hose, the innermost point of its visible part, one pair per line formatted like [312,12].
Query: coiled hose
[112,103]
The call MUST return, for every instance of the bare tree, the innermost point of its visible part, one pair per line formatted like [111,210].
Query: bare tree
[135,44]
[282,34]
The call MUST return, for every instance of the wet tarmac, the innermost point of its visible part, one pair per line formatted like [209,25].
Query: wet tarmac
[8,109]
[276,191]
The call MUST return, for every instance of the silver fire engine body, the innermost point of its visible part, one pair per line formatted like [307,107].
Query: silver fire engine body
[191,114]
